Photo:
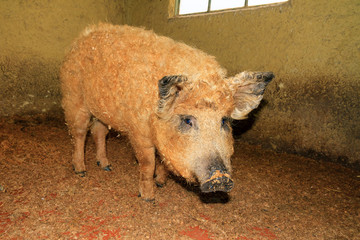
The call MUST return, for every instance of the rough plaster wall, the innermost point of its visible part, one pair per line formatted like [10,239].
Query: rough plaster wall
[313,47]
[34,36]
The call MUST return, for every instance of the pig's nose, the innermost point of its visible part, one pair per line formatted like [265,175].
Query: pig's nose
[218,181]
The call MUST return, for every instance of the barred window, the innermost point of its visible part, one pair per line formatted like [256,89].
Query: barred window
[183,7]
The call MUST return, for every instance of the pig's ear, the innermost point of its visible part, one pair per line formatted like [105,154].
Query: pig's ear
[169,88]
[248,89]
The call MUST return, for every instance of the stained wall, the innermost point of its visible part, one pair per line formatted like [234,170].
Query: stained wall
[34,36]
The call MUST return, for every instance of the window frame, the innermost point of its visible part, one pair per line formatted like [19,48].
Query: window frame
[176,8]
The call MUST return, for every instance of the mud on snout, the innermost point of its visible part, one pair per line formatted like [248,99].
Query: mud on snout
[215,177]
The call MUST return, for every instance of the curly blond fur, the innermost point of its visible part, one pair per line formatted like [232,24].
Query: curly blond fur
[112,73]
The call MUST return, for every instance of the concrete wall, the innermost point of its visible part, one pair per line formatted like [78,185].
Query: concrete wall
[313,47]
[34,36]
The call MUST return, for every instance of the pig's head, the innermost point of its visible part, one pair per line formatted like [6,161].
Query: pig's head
[192,131]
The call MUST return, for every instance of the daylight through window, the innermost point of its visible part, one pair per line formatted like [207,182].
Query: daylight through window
[203,6]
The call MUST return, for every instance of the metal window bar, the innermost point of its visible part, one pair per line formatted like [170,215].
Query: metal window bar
[209,5]
[177,7]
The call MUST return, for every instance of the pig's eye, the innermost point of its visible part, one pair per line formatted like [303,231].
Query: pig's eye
[225,122]
[187,122]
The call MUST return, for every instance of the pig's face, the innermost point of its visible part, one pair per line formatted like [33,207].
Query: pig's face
[193,141]
[192,131]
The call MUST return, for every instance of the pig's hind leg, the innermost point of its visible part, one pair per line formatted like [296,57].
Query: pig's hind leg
[99,132]
[78,119]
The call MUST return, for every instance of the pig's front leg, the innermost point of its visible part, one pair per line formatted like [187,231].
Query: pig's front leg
[146,158]
[145,155]
[161,174]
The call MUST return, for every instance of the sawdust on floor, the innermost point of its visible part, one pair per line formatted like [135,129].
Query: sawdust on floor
[276,195]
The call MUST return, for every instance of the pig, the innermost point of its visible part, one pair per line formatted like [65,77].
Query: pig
[174,102]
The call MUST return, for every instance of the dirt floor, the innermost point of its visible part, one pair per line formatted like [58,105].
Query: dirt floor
[276,195]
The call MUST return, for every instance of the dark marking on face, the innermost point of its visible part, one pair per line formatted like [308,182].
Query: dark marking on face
[169,88]
[263,80]
[166,83]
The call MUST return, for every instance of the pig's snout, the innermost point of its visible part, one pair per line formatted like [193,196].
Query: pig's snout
[219,180]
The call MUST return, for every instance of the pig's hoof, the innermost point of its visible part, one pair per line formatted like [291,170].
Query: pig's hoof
[222,183]
[81,174]
[151,200]
[108,168]
[160,185]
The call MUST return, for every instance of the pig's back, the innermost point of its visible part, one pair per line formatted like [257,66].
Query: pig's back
[116,70]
